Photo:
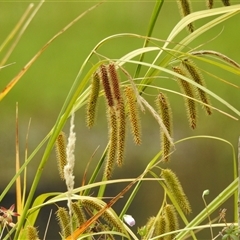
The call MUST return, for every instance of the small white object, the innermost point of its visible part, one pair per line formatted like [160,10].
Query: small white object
[129,220]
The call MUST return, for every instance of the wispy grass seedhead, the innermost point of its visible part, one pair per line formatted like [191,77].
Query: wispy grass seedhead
[133,114]
[185,9]
[92,101]
[61,153]
[190,103]
[190,66]
[175,188]
[166,115]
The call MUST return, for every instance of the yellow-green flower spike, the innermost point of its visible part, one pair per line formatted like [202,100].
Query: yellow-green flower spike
[32,233]
[198,78]
[113,139]
[172,223]
[133,115]
[190,103]
[175,188]
[185,9]
[92,101]
[121,121]
[64,221]
[78,213]
[165,113]
[61,153]
[160,227]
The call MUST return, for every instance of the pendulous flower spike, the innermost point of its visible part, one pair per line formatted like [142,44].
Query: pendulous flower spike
[198,78]
[64,221]
[61,153]
[114,82]
[190,103]
[172,223]
[32,233]
[78,213]
[175,188]
[106,85]
[121,121]
[113,140]
[185,9]
[92,101]
[133,115]
[165,113]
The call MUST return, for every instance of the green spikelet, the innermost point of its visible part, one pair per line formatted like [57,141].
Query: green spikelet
[172,223]
[108,216]
[64,221]
[190,103]
[176,190]
[185,9]
[78,213]
[113,140]
[61,153]
[114,82]
[32,233]
[92,101]
[121,133]
[165,113]
[106,85]
[226,2]
[160,227]
[198,78]
[133,114]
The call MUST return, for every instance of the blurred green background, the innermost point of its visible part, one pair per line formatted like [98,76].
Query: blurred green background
[200,164]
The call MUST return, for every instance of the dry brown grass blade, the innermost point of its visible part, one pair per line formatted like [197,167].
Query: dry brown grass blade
[29,64]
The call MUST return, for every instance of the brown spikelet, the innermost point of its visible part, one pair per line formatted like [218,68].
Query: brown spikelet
[198,78]
[114,82]
[190,103]
[172,223]
[61,153]
[176,190]
[32,233]
[121,132]
[210,4]
[78,213]
[64,221]
[133,115]
[226,2]
[185,9]
[92,101]
[165,113]
[113,140]
[108,216]
[106,85]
